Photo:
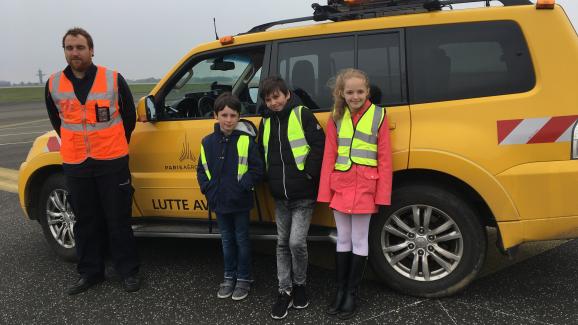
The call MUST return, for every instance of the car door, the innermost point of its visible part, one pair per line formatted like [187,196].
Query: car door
[309,65]
[165,153]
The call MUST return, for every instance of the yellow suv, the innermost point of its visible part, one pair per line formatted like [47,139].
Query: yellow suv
[482,107]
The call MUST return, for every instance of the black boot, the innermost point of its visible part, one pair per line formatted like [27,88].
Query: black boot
[356,271]
[342,261]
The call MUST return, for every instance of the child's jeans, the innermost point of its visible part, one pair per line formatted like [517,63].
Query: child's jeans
[293,219]
[234,228]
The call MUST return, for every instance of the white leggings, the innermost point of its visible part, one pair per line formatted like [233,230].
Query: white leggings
[352,232]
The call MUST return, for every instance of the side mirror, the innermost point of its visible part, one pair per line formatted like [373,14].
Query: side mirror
[151,111]
[141,115]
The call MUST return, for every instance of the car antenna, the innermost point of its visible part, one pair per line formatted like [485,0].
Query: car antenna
[215,27]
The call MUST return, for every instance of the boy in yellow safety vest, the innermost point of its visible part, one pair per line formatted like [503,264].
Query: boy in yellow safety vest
[229,167]
[292,143]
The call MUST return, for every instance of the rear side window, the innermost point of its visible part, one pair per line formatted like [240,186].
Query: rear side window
[309,66]
[380,57]
[458,61]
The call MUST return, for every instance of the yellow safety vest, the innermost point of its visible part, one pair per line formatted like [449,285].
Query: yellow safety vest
[358,144]
[242,152]
[295,134]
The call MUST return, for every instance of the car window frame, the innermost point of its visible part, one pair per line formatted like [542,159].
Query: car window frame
[274,62]
[159,98]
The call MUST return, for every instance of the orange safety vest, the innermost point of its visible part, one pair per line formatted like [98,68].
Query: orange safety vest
[81,134]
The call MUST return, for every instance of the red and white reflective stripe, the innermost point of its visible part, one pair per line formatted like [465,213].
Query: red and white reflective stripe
[536,130]
[53,144]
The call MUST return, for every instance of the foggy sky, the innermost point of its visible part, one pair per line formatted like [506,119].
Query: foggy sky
[139,38]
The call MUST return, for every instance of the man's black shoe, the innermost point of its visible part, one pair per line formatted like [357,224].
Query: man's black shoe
[131,283]
[82,284]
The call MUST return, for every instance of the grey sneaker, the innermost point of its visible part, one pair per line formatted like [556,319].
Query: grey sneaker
[241,290]
[226,288]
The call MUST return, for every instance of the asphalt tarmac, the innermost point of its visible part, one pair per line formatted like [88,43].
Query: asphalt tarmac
[181,276]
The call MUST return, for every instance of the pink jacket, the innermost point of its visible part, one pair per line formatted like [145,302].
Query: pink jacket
[360,189]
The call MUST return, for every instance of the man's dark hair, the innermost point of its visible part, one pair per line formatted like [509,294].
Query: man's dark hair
[272,84]
[227,99]
[79,31]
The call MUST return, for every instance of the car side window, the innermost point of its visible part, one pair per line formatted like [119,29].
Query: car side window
[467,60]
[308,66]
[379,55]
[192,93]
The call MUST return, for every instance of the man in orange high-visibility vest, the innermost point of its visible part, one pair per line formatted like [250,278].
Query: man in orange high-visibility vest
[92,110]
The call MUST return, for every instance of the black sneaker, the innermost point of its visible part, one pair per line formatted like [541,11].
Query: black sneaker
[300,299]
[279,310]
[131,283]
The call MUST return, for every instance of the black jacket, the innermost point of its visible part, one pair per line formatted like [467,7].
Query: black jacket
[225,194]
[285,180]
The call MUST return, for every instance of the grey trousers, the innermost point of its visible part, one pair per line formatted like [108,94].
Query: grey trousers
[293,220]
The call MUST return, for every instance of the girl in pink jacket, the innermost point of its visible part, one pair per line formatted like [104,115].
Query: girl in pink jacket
[356,177]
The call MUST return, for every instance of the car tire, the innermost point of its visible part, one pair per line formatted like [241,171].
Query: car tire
[428,243]
[56,217]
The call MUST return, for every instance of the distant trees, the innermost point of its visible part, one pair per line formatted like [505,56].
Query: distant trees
[143,81]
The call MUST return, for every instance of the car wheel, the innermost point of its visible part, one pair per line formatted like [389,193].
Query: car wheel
[56,217]
[428,243]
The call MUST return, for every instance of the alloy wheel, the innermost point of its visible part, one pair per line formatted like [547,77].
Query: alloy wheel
[422,243]
[60,218]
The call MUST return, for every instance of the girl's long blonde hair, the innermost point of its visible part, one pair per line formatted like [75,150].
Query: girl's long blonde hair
[338,99]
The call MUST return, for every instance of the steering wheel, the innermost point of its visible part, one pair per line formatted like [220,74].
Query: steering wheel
[205,106]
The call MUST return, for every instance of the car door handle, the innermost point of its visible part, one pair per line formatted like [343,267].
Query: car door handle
[392,125]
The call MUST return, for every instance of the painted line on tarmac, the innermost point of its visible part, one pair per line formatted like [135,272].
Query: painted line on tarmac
[25,127]
[22,123]
[11,143]
[8,180]
[11,134]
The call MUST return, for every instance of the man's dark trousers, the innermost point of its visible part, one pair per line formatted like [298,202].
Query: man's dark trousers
[102,206]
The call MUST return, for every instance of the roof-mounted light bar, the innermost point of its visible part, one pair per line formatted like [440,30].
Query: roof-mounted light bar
[545,4]
[339,10]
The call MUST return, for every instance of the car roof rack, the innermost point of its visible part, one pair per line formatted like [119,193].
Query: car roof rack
[340,10]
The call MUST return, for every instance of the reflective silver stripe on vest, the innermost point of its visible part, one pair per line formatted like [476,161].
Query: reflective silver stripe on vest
[369,138]
[378,111]
[342,160]
[344,142]
[298,143]
[110,93]
[242,161]
[98,96]
[297,115]
[338,125]
[91,127]
[360,153]
[58,95]
[300,159]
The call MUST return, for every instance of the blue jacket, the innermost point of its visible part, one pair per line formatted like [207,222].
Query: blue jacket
[225,194]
